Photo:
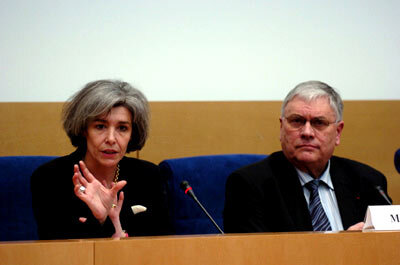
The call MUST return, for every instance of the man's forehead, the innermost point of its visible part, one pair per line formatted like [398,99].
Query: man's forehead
[315,107]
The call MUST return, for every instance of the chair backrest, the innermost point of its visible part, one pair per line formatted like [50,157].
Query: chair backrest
[207,176]
[397,160]
[16,217]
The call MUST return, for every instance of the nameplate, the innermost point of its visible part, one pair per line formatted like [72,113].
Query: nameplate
[382,217]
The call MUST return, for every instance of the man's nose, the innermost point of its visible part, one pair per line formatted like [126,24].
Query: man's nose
[307,130]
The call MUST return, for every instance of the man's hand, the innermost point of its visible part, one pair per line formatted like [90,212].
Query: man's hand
[357,227]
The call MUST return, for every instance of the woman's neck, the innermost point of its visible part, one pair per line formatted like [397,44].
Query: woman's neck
[101,173]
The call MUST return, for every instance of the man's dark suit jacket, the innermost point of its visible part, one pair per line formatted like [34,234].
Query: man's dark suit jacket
[267,196]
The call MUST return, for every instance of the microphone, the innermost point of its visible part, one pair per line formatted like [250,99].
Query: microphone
[189,191]
[383,194]
[397,160]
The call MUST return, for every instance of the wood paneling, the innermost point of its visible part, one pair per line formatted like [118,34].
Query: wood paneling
[47,252]
[280,248]
[178,129]
[366,248]
[32,129]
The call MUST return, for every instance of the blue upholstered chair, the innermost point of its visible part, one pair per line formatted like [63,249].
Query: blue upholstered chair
[207,176]
[16,216]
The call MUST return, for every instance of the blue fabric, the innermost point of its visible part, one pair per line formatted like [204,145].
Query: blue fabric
[207,176]
[16,217]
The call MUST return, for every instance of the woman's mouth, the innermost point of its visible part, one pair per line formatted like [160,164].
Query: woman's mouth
[109,152]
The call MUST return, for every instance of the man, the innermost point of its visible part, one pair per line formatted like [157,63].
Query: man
[303,187]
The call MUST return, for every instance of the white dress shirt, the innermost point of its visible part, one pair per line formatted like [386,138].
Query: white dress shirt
[327,196]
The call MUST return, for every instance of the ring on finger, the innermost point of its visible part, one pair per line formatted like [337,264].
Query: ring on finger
[113,205]
[82,189]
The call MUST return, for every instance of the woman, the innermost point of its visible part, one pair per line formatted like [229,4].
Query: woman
[108,191]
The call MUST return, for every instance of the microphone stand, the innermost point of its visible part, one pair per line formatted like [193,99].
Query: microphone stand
[189,191]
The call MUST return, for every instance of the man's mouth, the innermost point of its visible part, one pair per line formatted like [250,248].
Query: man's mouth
[307,146]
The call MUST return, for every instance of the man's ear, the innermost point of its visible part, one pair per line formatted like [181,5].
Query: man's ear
[339,130]
[280,129]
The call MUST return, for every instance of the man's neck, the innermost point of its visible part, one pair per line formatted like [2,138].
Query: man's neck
[314,170]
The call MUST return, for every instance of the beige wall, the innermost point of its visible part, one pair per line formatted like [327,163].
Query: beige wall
[178,129]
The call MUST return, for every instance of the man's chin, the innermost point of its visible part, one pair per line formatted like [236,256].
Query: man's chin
[307,157]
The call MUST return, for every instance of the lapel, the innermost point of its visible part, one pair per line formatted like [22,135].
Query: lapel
[293,195]
[346,195]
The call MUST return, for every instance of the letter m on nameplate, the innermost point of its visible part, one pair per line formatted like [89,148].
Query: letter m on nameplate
[395,218]
[382,217]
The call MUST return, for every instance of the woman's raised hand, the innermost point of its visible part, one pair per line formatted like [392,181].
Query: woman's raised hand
[102,201]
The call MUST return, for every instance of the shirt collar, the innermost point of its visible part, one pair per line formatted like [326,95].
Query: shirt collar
[325,177]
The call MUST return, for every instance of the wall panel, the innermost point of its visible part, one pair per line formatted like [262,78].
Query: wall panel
[178,129]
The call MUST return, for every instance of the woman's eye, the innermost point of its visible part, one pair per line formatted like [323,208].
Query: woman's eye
[99,126]
[123,128]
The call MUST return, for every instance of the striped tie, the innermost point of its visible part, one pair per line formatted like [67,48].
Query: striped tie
[320,221]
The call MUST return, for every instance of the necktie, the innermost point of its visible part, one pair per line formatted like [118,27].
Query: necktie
[320,221]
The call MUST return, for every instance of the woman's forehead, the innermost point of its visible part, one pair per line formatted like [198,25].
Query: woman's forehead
[119,113]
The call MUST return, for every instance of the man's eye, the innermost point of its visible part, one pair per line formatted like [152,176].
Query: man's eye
[320,123]
[297,121]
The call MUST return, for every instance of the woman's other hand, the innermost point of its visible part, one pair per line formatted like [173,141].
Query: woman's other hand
[114,216]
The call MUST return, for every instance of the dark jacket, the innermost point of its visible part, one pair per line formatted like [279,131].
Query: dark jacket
[57,209]
[267,196]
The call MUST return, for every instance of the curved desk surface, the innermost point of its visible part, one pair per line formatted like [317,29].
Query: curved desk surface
[269,248]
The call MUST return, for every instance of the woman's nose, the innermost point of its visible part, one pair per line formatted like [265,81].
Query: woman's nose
[111,135]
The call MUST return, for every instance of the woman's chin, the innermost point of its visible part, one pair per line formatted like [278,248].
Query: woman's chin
[109,161]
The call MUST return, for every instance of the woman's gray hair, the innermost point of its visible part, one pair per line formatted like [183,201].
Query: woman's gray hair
[99,97]
[312,90]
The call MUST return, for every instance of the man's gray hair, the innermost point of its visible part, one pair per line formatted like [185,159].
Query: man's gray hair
[99,97]
[312,90]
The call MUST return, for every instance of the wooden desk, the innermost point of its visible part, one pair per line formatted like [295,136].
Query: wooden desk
[54,252]
[277,248]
